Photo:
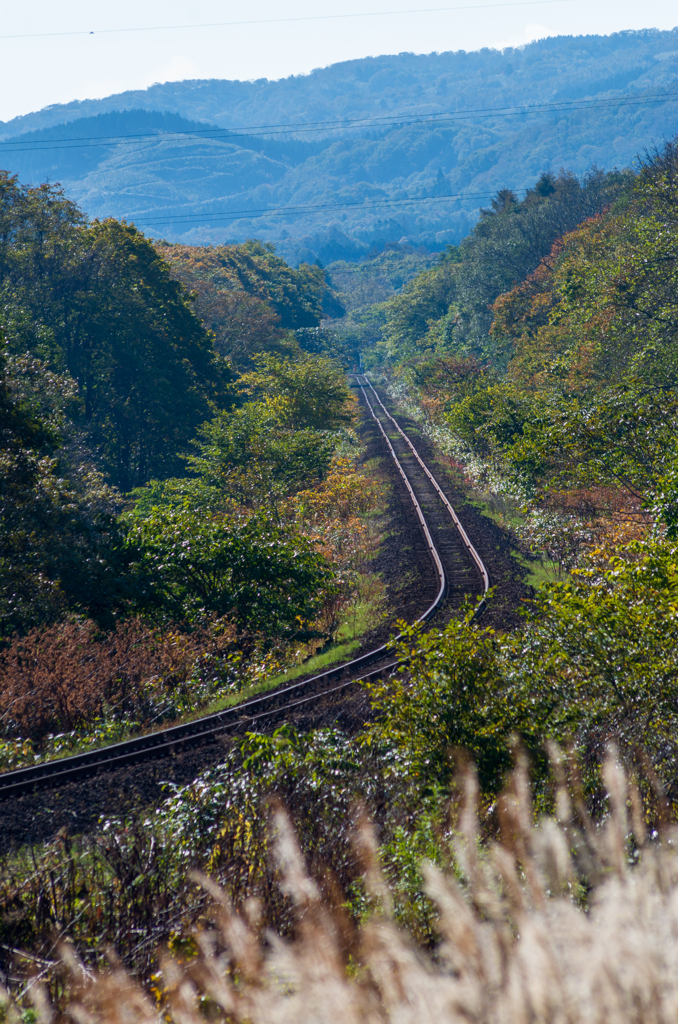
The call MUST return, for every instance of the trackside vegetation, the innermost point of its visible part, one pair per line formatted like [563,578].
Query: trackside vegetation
[158,494]
[502,775]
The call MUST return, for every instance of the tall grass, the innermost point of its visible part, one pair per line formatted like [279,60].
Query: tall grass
[554,922]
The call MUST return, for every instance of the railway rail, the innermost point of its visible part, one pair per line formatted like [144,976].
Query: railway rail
[457,567]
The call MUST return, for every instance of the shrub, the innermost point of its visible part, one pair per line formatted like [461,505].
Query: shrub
[64,677]
[267,577]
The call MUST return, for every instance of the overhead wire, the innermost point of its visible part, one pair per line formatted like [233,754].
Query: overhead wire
[312,208]
[281,21]
[15,145]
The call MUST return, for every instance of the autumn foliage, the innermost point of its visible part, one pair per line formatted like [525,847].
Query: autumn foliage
[63,677]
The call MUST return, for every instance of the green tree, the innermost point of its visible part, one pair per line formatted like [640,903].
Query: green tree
[594,374]
[61,548]
[310,392]
[410,315]
[448,694]
[267,578]
[596,663]
[253,458]
[98,301]
[448,308]
[146,368]
[295,296]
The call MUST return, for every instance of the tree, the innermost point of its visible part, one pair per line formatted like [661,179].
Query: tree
[251,457]
[305,393]
[60,545]
[97,300]
[593,331]
[448,694]
[409,316]
[448,308]
[596,663]
[265,577]
[243,325]
[145,366]
[295,296]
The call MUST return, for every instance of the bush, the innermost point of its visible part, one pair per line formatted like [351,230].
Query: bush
[265,576]
[70,675]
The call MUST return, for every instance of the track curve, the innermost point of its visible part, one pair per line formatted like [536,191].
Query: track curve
[458,569]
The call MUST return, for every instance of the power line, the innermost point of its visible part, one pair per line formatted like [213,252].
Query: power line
[281,21]
[281,211]
[15,145]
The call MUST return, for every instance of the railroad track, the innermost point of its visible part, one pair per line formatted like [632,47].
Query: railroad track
[458,571]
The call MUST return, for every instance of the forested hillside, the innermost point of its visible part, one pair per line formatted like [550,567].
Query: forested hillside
[400,127]
[549,332]
[130,405]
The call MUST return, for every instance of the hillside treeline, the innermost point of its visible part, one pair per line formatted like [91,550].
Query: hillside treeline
[416,127]
[251,300]
[448,308]
[168,455]
[545,347]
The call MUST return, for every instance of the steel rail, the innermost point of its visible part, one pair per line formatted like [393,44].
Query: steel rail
[455,518]
[427,534]
[174,738]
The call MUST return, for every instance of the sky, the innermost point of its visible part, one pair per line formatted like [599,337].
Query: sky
[85,49]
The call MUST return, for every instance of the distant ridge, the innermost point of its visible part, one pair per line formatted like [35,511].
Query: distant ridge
[158,180]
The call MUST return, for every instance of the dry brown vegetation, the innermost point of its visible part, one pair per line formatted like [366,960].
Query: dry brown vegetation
[62,677]
[558,922]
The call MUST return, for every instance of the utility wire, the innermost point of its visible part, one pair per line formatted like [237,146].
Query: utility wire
[15,145]
[282,211]
[281,21]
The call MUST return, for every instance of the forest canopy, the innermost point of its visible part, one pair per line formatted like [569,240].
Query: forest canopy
[115,379]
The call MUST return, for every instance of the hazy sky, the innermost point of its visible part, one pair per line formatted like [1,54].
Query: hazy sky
[37,71]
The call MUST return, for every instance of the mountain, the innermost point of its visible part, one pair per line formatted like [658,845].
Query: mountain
[177,159]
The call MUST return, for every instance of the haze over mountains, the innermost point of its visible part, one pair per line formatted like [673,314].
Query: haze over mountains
[154,156]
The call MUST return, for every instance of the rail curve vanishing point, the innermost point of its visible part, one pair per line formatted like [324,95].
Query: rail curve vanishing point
[272,706]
